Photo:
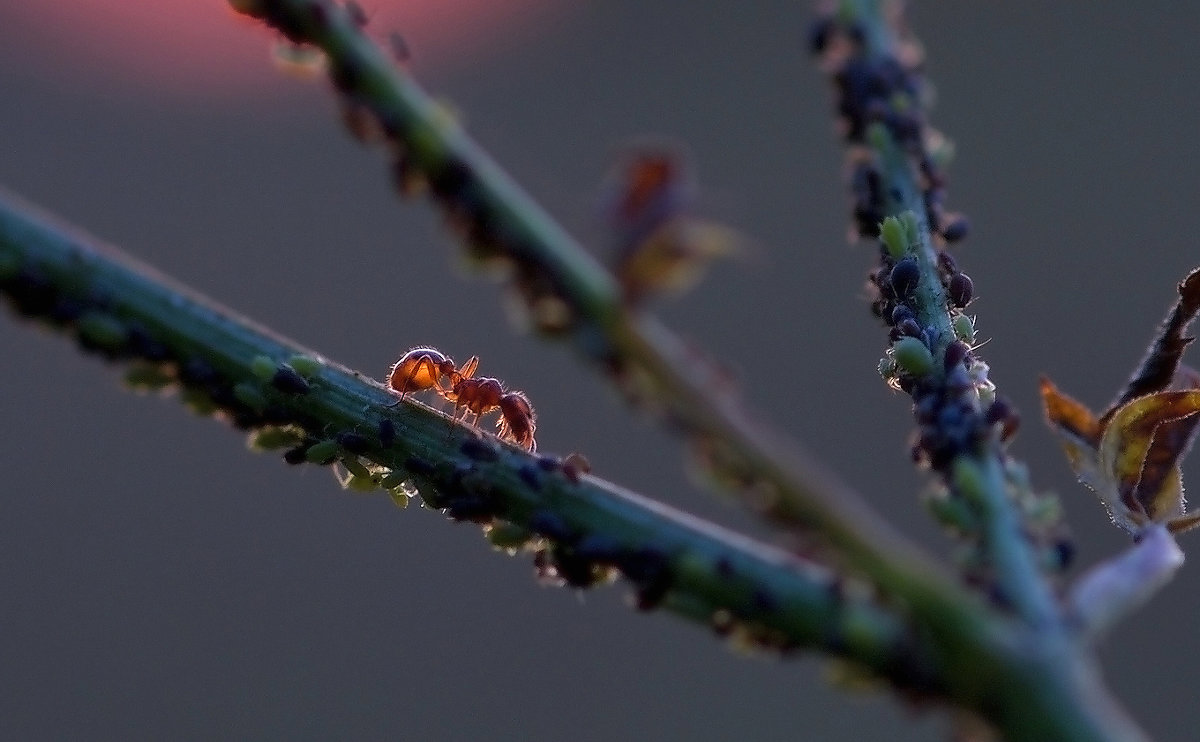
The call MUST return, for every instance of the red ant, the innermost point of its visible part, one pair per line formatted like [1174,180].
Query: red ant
[423,368]
[485,395]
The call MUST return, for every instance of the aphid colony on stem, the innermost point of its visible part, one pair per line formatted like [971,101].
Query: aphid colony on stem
[421,369]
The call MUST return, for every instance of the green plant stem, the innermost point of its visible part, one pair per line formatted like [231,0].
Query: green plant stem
[709,574]
[1017,572]
[1033,692]
[1065,669]
[785,485]
[1033,685]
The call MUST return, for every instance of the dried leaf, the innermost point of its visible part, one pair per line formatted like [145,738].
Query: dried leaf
[1142,444]
[1130,455]
[1133,468]
[1158,369]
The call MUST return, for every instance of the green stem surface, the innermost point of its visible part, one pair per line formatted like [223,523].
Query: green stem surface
[707,573]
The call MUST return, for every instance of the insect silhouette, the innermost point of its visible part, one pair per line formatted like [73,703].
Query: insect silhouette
[423,368]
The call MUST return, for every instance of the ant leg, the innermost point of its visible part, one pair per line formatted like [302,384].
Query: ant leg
[454,420]
[411,375]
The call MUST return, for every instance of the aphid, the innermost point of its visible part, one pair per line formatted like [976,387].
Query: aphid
[477,449]
[262,367]
[518,421]
[904,277]
[306,366]
[289,381]
[956,352]
[910,327]
[387,433]
[423,368]
[574,465]
[961,289]
[902,312]
[323,452]
[955,229]
[530,476]
[353,442]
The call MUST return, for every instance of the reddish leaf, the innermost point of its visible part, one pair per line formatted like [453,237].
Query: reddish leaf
[1066,413]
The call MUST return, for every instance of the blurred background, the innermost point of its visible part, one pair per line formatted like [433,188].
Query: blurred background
[158,580]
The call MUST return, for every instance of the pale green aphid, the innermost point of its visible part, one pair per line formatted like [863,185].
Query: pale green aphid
[912,356]
[964,328]
[893,235]
[508,536]
[355,467]
[361,484]
[274,438]
[306,366]
[147,377]
[322,453]
[262,367]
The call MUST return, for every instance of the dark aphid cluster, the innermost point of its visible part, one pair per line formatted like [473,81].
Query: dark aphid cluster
[949,422]
[868,207]
[585,561]
[260,398]
[422,162]
[884,89]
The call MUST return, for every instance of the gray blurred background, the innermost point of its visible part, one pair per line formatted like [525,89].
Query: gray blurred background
[156,579]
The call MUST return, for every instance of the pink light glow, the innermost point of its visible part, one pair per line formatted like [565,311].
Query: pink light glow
[201,47]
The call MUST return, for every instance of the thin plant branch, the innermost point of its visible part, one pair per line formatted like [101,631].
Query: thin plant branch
[585,530]
[1014,657]
[570,295]
[963,426]
[1029,678]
